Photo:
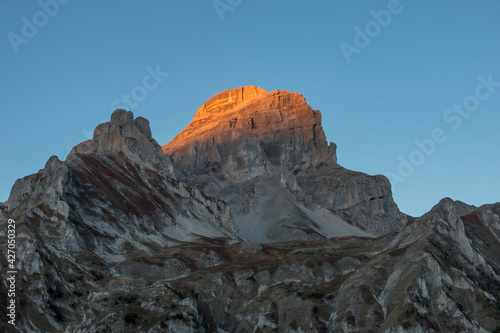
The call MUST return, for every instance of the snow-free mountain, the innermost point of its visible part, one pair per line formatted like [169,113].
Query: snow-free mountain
[244,222]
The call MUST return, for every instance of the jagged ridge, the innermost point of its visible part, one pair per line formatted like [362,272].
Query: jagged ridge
[121,236]
[250,147]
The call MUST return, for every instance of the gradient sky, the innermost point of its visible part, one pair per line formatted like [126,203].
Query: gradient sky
[65,76]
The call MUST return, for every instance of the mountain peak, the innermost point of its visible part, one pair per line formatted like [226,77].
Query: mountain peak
[123,134]
[128,224]
[227,100]
[281,122]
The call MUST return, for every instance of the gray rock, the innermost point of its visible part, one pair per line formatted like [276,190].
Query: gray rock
[124,134]
[120,237]
[267,156]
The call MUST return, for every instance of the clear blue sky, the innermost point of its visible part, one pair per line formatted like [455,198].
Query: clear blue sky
[65,76]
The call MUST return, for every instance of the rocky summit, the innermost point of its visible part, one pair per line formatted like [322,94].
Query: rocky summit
[266,155]
[287,129]
[244,222]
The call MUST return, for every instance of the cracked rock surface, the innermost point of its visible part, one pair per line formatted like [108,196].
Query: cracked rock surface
[245,222]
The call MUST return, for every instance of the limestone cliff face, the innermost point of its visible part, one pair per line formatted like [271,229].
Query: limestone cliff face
[228,100]
[114,193]
[363,200]
[246,145]
[121,237]
[126,135]
[288,130]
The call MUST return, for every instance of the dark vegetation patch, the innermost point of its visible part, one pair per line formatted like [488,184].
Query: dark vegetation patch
[56,312]
[398,252]
[130,318]
[473,219]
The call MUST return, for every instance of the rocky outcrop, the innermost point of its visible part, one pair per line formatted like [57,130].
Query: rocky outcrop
[362,200]
[111,200]
[126,135]
[488,215]
[288,130]
[122,237]
[44,187]
[255,149]
[419,280]
[114,193]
